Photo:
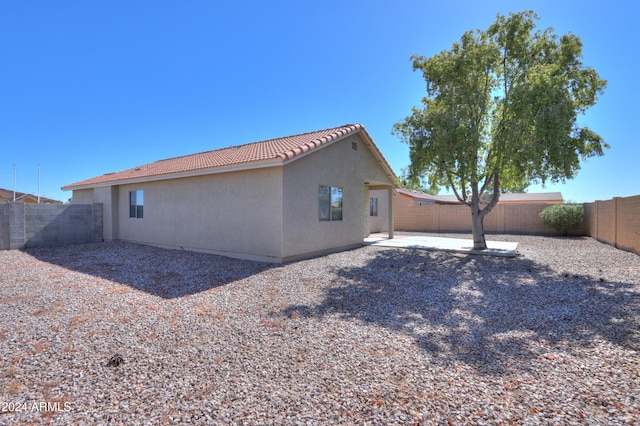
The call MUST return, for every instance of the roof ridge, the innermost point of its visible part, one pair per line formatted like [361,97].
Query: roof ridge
[357,125]
[342,130]
[300,134]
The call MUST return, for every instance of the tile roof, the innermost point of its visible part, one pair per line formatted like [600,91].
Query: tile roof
[279,150]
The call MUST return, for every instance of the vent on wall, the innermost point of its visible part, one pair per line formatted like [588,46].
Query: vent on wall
[354,145]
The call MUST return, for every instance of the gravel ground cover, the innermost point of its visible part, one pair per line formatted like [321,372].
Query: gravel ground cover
[118,333]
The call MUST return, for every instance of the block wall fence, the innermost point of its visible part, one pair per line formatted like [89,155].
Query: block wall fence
[615,221]
[516,218]
[42,225]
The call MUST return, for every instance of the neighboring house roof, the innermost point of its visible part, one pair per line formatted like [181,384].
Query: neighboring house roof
[418,195]
[532,197]
[272,152]
[6,196]
[423,196]
[518,197]
[448,199]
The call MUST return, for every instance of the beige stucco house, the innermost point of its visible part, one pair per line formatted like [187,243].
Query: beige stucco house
[275,200]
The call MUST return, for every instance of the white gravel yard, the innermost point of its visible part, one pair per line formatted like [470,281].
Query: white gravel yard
[369,336]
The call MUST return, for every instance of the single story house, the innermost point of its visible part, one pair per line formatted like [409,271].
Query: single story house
[276,200]
[410,197]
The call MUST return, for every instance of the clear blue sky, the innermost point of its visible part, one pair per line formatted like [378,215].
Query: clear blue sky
[89,87]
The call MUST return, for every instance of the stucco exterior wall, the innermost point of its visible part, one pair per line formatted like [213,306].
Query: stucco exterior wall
[337,165]
[379,223]
[108,197]
[236,214]
[82,196]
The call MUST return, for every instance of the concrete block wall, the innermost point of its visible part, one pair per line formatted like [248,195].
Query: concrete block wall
[524,218]
[615,222]
[16,225]
[606,217]
[415,218]
[628,223]
[42,225]
[98,221]
[590,219]
[4,227]
[453,218]
[516,218]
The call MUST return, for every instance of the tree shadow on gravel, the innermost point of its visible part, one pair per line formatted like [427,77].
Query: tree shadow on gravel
[481,310]
[161,272]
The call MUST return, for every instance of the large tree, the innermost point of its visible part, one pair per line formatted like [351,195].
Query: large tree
[501,112]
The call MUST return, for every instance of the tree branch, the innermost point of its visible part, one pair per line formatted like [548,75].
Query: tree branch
[495,199]
[455,191]
[486,182]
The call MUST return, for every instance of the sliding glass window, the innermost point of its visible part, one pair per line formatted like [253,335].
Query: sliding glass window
[330,203]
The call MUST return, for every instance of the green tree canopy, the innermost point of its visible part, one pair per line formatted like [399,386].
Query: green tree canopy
[421,184]
[501,113]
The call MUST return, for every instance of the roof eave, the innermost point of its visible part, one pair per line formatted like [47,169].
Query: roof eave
[178,175]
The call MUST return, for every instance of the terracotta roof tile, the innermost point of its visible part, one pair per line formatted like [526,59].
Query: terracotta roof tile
[279,149]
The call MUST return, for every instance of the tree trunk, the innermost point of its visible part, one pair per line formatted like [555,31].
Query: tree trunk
[477,226]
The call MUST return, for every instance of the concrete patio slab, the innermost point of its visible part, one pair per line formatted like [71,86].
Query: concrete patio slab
[458,245]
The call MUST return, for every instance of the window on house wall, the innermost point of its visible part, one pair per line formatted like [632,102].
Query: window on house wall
[373,206]
[330,203]
[136,204]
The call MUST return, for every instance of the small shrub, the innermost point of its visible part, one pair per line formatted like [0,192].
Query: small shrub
[563,217]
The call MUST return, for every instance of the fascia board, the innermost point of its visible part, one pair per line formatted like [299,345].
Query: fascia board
[191,173]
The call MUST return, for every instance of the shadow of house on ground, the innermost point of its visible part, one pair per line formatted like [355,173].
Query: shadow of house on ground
[482,310]
[160,272]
